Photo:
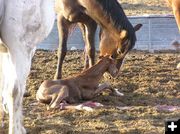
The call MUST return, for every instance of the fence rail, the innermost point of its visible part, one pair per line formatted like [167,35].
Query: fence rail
[157,33]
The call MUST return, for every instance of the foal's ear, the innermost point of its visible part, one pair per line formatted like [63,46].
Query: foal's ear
[123,34]
[137,27]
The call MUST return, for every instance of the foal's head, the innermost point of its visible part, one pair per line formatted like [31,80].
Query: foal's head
[117,48]
[111,65]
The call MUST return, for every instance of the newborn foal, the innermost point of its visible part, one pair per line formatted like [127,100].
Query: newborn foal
[83,86]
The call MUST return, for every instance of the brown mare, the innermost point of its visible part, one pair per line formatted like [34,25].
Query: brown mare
[108,14]
[83,86]
[68,13]
[175,4]
[117,49]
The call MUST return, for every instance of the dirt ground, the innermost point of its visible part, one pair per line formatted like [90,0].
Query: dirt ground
[142,7]
[146,79]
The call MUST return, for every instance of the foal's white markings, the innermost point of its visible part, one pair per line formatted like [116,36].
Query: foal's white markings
[118,93]
[82,107]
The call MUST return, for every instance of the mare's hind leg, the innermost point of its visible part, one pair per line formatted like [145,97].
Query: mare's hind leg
[63,27]
[88,29]
[86,61]
[58,98]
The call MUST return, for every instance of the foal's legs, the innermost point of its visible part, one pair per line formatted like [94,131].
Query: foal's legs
[101,88]
[63,26]
[88,29]
[105,86]
[57,99]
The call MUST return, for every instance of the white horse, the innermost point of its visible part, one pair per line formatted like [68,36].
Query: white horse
[23,24]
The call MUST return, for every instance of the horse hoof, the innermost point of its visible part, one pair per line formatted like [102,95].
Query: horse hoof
[178,66]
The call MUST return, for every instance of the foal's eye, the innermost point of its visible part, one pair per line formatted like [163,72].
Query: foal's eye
[113,56]
[100,57]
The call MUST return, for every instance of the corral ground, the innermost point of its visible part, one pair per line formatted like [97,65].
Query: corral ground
[146,79]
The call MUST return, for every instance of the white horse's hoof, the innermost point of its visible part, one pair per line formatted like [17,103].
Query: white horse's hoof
[178,66]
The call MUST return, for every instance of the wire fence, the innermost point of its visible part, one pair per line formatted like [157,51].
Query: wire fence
[158,32]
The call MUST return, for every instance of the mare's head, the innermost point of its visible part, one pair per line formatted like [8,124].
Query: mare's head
[117,48]
[117,34]
[111,65]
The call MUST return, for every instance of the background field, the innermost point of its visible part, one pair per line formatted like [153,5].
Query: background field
[141,7]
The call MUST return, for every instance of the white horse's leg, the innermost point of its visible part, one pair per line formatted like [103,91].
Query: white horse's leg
[24,25]
[16,66]
[1,103]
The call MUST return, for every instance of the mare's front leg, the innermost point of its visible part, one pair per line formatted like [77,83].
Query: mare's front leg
[88,29]
[63,27]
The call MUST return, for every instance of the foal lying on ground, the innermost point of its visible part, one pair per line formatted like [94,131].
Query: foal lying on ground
[83,86]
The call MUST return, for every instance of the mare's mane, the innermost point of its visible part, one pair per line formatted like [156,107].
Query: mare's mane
[115,13]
